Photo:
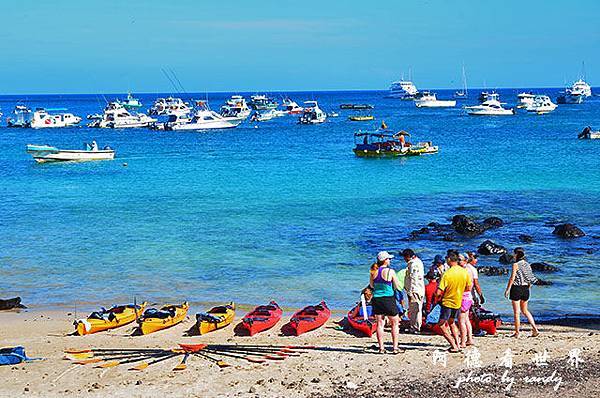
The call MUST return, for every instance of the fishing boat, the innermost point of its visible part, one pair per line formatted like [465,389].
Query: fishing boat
[291,107]
[261,318]
[428,99]
[22,117]
[235,108]
[117,117]
[42,119]
[462,94]
[167,316]
[525,100]
[541,105]
[107,319]
[169,106]
[384,143]
[356,106]
[312,114]
[589,134]
[46,153]
[568,96]
[131,102]
[215,318]
[309,318]
[361,118]
[490,107]
[358,321]
[204,118]
[262,103]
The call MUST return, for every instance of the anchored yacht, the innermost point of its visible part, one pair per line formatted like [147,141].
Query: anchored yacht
[541,104]
[490,107]
[236,107]
[291,107]
[204,119]
[131,102]
[169,106]
[525,99]
[262,102]
[116,116]
[403,89]
[312,113]
[42,119]
[428,99]
[22,117]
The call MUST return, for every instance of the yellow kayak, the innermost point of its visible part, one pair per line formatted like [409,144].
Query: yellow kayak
[215,318]
[365,118]
[169,315]
[112,318]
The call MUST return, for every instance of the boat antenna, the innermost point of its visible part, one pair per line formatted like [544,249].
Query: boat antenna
[170,80]
[178,82]
[582,70]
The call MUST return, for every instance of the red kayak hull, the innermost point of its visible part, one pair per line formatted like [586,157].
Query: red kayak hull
[357,322]
[488,325]
[261,318]
[309,318]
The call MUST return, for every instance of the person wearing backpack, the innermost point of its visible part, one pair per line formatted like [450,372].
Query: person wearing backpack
[518,290]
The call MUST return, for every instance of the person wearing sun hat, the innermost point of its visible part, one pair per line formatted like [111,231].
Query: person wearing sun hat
[383,281]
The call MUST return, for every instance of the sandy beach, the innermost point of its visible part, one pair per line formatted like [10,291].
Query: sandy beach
[358,372]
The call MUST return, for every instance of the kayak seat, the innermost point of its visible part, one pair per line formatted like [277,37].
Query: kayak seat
[117,310]
[305,318]
[159,314]
[261,313]
[96,315]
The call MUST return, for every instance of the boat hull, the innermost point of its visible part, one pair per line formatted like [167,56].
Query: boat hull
[261,318]
[150,325]
[126,316]
[225,314]
[309,318]
[368,153]
[436,104]
[358,323]
[60,155]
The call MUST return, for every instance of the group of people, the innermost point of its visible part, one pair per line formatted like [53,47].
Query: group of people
[452,290]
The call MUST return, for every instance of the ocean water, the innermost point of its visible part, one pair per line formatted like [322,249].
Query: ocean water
[287,212]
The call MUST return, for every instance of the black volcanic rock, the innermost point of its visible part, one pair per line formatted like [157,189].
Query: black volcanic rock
[506,258]
[540,282]
[492,222]
[487,248]
[525,238]
[466,226]
[492,271]
[568,231]
[543,267]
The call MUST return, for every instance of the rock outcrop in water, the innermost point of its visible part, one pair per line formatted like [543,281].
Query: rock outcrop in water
[540,282]
[543,267]
[525,238]
[568,231]
[492,271]
[487,248]
[493,222]
[507,258]
[461,225]
[466,226]
[11,303]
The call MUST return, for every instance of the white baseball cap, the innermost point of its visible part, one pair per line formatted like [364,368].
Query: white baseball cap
[382,256]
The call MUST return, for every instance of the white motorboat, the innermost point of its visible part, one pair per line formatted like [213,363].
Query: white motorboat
[42,119]
[569,96]
[312,114]
[525,100]
[267,115]
[45,153]
[490,107]
[131,102]
[261,102]
[428,99]
[236,107]
[541,104]
[116,116]
[22,117]
[291,107]
[204,119]
[589,134]
[169,106]
[403,89]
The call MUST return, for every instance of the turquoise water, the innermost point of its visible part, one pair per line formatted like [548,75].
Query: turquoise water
[288,212]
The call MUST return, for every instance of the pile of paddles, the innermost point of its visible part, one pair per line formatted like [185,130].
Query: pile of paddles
[483,322]
[151,320]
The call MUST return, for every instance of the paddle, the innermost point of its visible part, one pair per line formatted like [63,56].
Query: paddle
[220,363]
[182,365]
[254,351]
[144,365]
[114,363]
[228,354]
[363,302]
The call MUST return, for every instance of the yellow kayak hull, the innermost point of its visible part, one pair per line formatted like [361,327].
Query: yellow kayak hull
[91,325]
[361,118]
[151,325]
[225,312]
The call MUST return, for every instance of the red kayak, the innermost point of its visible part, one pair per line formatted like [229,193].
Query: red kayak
[358,322]
[262,318]
[309,318]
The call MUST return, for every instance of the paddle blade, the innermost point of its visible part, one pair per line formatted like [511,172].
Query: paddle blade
[274,358]
[76,351]
[78,356]
[255,360]
[110,364]
[140,367]
[222,364]
[88,361]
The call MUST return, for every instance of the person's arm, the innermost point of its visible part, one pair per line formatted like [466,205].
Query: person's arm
[440,290]
[478,290]
[395,281]
[511,280]
[438,295]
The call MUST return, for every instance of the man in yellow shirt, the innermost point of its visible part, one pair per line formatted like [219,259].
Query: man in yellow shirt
[450,291]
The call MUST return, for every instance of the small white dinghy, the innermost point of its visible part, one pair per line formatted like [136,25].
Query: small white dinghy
[46,153]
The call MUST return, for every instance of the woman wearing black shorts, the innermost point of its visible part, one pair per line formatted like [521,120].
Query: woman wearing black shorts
[519,285]
[384,281]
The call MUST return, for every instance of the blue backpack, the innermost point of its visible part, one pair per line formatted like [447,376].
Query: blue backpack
[14,355]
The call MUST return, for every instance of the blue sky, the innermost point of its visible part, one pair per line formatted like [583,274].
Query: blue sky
[65,46]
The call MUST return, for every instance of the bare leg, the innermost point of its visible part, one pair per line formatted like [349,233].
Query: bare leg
[380,322]
[462,319]
[394,321]
[526,312]
[447,335]
[517,316]
[469,330]
[455,332]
